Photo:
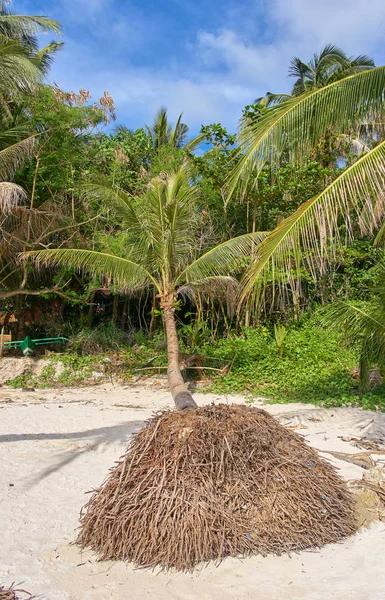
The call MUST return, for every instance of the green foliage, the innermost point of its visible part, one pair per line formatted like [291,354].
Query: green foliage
[365,325]
[315,368]
[124,158]
[280,332]
[106,338]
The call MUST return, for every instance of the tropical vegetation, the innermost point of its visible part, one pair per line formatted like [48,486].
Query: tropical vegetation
[228,242]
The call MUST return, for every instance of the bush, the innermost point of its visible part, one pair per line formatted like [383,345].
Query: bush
[104,338]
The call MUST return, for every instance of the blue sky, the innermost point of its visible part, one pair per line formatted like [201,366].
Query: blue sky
[205,58]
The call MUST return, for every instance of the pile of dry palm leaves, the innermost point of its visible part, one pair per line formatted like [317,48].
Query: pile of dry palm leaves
[213,482]
[11,593]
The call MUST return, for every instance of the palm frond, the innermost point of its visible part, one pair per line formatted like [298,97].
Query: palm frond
[228,257]
[379,240]
[110,196]
[45,57]
[366,326]
[10,197]
[124,272]
[310,236]
[297,125]
[18,72]
[14,156]
[194,143]
[13,26]
[223,288]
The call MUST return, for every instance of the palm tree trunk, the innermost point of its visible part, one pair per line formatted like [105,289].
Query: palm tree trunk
[181,396]
[91,308]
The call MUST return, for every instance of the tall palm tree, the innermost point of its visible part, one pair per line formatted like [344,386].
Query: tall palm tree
[160,254]
[310,237]
[331,64]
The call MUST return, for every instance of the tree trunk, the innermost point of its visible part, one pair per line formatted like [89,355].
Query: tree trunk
[20,316]
[181,396]
[153,316]
[91,308]
[123,319]
[115,310]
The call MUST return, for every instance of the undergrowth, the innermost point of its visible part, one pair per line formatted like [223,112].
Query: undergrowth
[316,365]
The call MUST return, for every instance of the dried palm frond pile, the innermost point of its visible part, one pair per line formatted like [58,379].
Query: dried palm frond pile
[11,593]
[217,481]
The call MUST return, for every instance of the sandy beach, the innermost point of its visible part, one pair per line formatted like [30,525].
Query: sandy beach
[55,445]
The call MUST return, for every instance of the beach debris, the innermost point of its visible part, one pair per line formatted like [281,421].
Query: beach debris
[221,480]
[12,593]
[360,459]
[370,494]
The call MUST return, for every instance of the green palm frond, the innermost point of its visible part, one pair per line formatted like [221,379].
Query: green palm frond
[110,196]
[160,130]
[178,134]
[15,26]
[298,124]
[310,236]
[365,326]
[379,240]
[123,271]
[194,143]
[227,257]
[18,72]
[45,57]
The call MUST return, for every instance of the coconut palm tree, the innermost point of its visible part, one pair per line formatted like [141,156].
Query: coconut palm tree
[163,134]
[161,229]
[21,63]
[366,325]
[22,66]
[331,64]
[310,237]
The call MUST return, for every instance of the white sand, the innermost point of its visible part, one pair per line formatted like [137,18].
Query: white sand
[56,445]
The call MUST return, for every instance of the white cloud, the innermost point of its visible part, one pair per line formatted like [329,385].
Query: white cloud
[228,68]
[353,24]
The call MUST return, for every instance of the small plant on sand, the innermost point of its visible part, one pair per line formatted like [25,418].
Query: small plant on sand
[280,333]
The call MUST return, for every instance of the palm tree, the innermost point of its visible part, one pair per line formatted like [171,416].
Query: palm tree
[366,325]
[163,134]
[331,64]
[310,237]
[161,255]
[22,64]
